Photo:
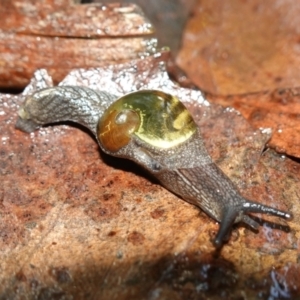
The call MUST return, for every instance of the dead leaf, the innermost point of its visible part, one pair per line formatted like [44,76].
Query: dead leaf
[278,110]
[64,36]
[240,47]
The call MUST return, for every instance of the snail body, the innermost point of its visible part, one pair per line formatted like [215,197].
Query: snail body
[155,130]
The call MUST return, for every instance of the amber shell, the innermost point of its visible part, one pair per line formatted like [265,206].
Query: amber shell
[155,117]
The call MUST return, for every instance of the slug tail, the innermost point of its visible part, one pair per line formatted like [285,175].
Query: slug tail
[26,125]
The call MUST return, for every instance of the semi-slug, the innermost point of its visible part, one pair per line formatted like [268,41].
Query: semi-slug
[155,130]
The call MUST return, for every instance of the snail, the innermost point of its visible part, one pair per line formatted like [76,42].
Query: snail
[155,130]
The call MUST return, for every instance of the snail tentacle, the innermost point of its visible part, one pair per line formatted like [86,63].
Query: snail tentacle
[236,214]
[228,219]
[250,222]
[251,206]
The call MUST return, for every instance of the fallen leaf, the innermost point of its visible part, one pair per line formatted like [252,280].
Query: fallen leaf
[64,36]
[278,110]
[241,47]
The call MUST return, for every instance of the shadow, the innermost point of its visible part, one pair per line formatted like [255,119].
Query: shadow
[11,90]
[184,276]
[112,161]
[293,158]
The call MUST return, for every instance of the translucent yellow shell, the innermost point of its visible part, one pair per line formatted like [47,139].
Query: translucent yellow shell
[157,118]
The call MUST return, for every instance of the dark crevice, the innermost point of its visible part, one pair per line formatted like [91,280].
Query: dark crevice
[11,90]
[293,158]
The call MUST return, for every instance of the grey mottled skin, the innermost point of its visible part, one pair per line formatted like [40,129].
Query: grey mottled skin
[187,169]
[57,104]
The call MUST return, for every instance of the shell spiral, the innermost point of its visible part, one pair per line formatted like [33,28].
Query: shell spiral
[156,118]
